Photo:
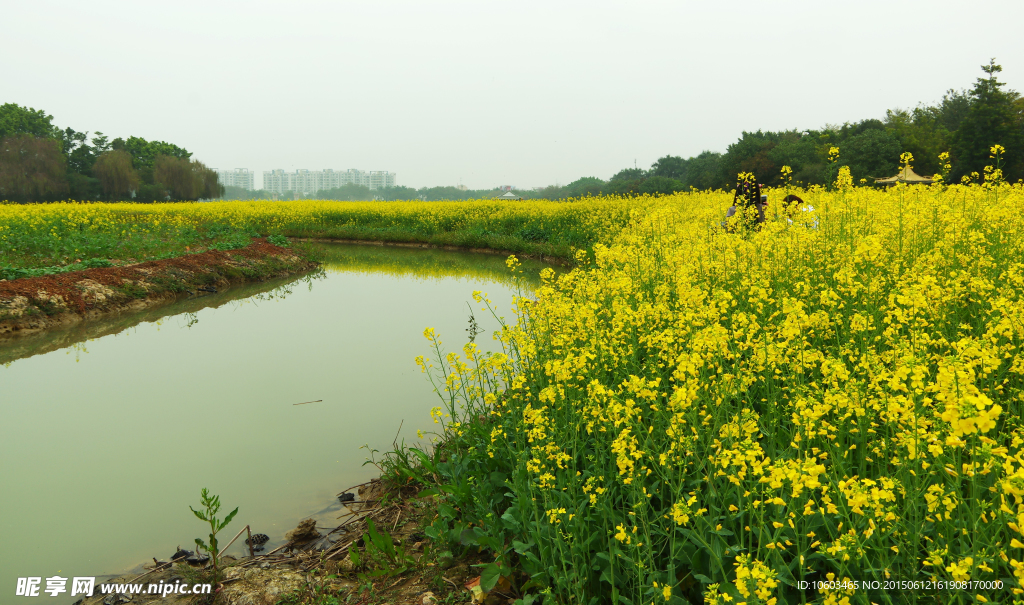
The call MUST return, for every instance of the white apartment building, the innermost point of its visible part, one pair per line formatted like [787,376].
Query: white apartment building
[239,177]
[311,181]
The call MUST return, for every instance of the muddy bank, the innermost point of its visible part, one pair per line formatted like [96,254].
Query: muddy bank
[31,305]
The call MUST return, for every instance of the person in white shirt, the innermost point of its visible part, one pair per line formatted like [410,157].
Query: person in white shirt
[791,204]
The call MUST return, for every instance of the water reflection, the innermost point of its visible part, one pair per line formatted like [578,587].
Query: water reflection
[74,337]
[427,263]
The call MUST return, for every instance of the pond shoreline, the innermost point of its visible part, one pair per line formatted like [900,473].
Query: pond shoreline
[553,260]
[34,304]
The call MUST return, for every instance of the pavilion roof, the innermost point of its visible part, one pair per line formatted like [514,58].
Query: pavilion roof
[906,175]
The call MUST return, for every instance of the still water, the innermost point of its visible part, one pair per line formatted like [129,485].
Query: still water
[110,429]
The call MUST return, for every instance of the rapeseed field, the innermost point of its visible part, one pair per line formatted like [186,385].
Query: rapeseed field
[826,409]
[54,236]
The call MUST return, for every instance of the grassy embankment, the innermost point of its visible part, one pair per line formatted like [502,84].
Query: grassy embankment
[693,415]
[52,238]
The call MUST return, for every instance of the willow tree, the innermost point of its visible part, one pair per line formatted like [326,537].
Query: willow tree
[31,169]
[116,174]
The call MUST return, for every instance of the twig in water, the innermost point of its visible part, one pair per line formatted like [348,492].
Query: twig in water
[223,550]
[305,402]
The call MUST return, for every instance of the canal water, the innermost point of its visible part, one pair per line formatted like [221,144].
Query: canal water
[111,428]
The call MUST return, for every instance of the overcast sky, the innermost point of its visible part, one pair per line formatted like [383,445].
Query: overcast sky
[487,93]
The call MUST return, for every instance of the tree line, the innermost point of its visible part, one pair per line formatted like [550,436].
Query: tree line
[965,124]
[39,162]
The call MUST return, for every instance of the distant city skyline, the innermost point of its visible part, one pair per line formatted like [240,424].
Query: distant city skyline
[303,180]
[311,181]
[237,177]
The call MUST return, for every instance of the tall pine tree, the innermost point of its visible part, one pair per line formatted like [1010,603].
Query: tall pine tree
[992,119]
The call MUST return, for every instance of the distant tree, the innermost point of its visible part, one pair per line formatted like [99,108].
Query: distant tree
[100,142]
[31,169]
[920,132]
[84,188]
[145,153]
[872,153]
[625,182]
[623,186]
[705,171]
[177,176]
[752,154]
[851,129]
[396,193]
[670,166]
[588,185]
[629,174]
[151,192]
[117,177]
[992,118]
[208,184]
[551,192]
[241,193]
[74,141]
[953,108]
[803,153]
[439,193]
[660,185]
[15,119]
[349,192]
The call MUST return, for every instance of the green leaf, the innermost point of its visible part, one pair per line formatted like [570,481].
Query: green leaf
[424,460]
[198,514]
[509,521]
[489,577]
[498,479]
[381,540]
[228,519]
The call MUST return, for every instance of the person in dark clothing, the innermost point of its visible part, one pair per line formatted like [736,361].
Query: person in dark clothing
[749,202]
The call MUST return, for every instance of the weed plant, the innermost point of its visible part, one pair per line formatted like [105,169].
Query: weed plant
[211,505]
